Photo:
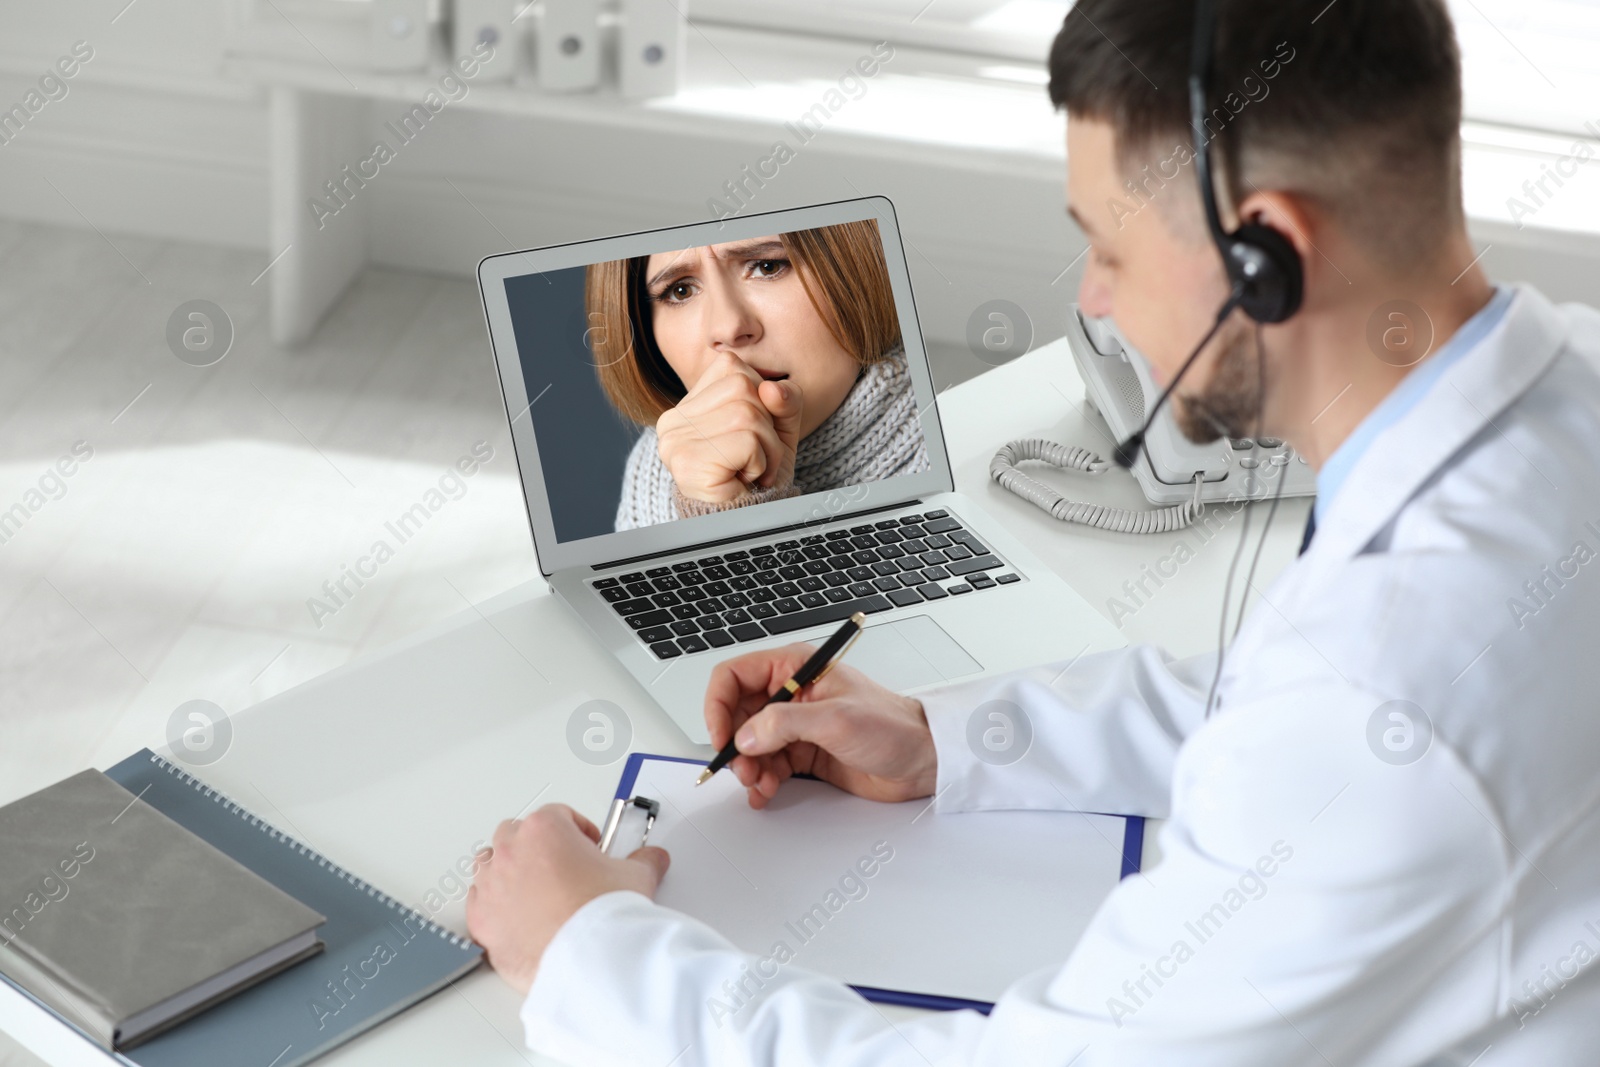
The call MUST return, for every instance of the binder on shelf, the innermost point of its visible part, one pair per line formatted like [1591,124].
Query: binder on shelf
[567,46]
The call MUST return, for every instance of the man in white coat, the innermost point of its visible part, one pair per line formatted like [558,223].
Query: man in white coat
[1387,811]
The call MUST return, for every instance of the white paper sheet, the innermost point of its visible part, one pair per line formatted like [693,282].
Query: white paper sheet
[954,905]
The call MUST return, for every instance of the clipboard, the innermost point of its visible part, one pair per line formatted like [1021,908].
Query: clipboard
[904,906]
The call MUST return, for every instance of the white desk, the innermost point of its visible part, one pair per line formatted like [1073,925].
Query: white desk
[397,765]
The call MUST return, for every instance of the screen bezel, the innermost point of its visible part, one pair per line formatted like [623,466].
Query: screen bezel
[610,548]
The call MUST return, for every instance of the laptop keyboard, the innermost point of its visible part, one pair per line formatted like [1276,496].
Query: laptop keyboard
[717,600]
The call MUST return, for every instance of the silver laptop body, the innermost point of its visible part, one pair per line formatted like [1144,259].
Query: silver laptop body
[948,592]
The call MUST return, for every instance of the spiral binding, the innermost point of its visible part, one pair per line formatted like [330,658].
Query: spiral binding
[231,805]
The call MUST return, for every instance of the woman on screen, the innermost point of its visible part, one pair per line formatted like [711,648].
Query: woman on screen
[759,369]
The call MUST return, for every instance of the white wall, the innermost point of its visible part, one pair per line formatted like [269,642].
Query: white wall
[149,139]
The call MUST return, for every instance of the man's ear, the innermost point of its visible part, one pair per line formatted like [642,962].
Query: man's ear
[1290,215]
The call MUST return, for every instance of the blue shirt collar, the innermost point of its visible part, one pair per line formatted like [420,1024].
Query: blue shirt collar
[1405,396]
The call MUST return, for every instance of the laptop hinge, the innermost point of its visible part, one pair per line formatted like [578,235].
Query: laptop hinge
[750,536]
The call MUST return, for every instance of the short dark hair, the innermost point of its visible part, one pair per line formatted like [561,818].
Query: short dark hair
[1364,115]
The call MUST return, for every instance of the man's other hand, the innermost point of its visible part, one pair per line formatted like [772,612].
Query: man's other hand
[539,871]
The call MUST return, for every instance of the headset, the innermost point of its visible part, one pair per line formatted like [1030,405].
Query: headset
[1266,281]
[1265,276]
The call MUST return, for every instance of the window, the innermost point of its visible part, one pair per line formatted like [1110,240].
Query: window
[1527,62]
[1531,62]
[1010,29]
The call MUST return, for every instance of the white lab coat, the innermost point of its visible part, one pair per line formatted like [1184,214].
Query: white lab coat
[1354,910]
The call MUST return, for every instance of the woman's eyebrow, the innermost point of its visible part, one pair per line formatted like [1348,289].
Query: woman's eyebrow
[677,266]
[749,249]
[754,248]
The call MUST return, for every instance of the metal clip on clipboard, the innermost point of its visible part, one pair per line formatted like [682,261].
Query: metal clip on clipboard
[652,808]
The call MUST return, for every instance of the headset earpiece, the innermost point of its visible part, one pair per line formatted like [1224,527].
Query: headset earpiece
[1265,270]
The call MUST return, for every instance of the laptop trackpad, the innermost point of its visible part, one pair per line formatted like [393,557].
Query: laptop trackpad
[910,652]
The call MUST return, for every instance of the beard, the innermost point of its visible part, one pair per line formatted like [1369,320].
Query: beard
[1230,403]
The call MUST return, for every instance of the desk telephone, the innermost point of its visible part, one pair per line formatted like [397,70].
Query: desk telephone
[1173,471]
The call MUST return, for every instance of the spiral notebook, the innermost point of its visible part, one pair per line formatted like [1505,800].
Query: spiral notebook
[381,956]
[904,905]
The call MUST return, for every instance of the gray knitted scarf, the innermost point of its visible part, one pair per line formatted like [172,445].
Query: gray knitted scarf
[874,434]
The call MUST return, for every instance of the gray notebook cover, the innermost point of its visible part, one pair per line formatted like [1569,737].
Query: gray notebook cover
[118,909]
[381,956]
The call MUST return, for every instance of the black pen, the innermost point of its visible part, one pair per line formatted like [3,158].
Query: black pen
[821,661]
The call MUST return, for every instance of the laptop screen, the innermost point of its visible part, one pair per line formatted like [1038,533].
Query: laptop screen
[697,380]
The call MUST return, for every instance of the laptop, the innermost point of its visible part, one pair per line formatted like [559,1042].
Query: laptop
[687,512]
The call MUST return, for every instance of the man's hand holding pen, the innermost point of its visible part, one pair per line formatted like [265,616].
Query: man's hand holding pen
[845,729]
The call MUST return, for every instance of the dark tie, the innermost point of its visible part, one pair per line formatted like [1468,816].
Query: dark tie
[1311,529]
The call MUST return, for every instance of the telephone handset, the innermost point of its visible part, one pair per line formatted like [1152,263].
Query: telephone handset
[1172,470]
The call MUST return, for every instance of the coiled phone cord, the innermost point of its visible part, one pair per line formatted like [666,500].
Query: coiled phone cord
[1003,469]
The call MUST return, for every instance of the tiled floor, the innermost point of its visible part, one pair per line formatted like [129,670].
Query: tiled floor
[178,560]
